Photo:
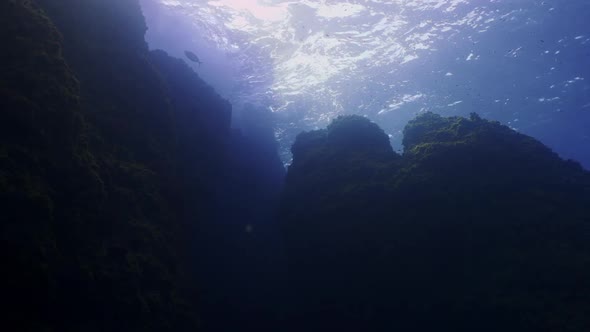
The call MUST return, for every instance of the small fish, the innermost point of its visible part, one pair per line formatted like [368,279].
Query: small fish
[193,57]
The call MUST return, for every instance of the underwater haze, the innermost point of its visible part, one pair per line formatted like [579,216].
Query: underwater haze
[525,63]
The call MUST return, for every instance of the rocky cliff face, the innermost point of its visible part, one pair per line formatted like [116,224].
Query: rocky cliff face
[111,157]
[474,227]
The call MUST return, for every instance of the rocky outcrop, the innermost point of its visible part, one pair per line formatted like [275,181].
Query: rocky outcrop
[111,158]
[474,227]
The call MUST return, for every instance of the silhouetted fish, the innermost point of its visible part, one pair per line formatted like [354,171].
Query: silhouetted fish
[193,57]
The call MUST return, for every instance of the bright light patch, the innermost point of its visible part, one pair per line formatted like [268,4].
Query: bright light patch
[340,10]
[257,8]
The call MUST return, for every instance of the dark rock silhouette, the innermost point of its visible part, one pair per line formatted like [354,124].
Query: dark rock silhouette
[475,227]
[112,164]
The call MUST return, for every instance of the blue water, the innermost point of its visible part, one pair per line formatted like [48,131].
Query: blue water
[524,63]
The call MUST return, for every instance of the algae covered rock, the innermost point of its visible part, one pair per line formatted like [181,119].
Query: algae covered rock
[484,144]
[345,135]
[112,162]
[350,150]
[44,165]
[474,223]
[90,237]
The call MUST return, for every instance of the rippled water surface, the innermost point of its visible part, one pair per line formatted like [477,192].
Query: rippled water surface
[524,63]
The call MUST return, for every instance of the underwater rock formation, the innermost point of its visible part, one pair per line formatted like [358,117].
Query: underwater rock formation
[47,177]
[86,214]
[474,227]
[129,204]
[111,158]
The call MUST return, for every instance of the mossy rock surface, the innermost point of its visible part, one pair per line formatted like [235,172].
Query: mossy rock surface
[88,172]
[473,223]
